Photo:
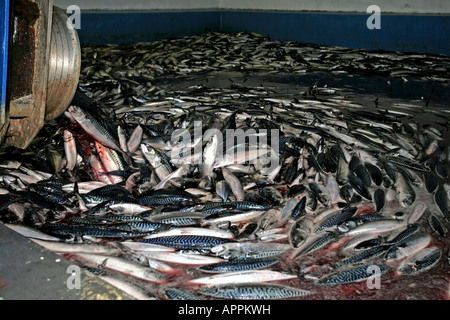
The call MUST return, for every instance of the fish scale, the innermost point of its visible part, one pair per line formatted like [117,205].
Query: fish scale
[352,275]
[239,265]
[336,219]
[188,241]
[161,200]
[176,294]
[315,244]
[181,221]
[363,256]
[140,226]
[91,230]
[253,292]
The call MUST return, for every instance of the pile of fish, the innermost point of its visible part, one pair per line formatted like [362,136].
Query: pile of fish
[238,192]
[129,74]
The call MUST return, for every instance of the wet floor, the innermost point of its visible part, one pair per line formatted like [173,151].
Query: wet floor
[364,89]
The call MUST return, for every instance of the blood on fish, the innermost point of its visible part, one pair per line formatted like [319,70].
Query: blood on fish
[365,209]
[353,289]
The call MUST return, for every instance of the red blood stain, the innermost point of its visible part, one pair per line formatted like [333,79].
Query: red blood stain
[352,289]
[365,209]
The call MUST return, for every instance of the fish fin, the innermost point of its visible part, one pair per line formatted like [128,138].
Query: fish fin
[76,192]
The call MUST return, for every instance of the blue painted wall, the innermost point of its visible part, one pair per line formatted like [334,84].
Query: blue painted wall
[415,33]
[406,33]
[102,27]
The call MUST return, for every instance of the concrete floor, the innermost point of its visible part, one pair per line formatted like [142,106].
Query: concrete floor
[30,272]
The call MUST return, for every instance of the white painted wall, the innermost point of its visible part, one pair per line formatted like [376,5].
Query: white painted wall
[387,6]
[139,4]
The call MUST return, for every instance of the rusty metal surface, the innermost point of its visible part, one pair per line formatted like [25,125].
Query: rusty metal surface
[28,70]
[44,68]
[22,58]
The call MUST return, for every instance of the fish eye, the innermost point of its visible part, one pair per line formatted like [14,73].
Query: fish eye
[354,223]
[343,227]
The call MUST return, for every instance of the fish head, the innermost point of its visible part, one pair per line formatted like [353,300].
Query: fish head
[76,112]
[348,225]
